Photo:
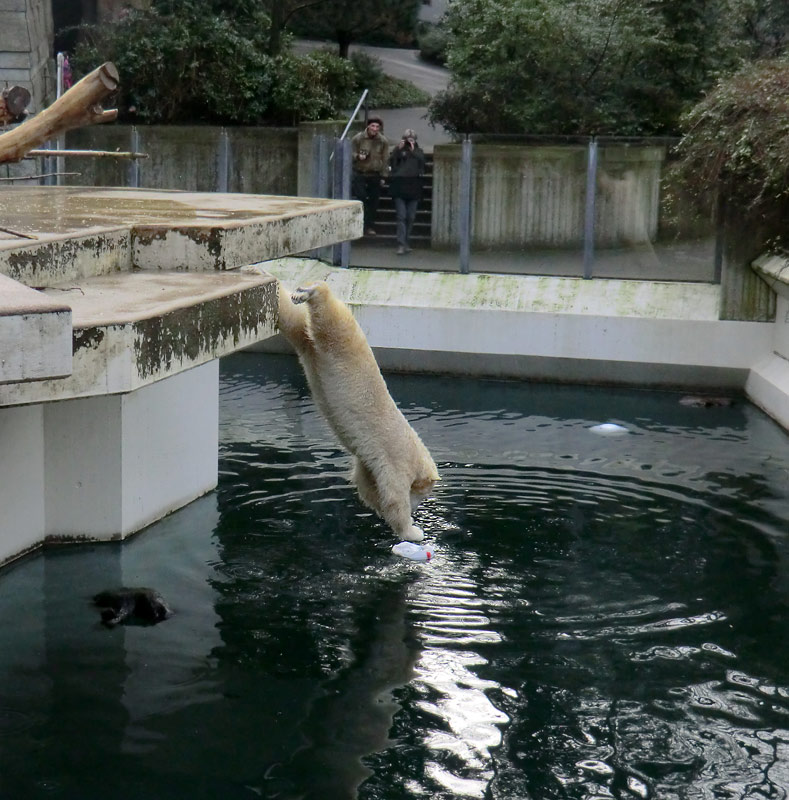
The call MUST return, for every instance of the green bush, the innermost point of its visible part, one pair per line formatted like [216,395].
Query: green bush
[185,66]
[181,63]
[368,71]
[736,146]
[384,90]
[433,44]
[319,85]
[605,67]
[398,93]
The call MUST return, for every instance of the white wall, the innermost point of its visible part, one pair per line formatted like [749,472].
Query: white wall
[21,479]
[116,463]
[170,444]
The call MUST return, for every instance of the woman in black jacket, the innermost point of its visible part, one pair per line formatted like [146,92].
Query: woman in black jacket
[407,165]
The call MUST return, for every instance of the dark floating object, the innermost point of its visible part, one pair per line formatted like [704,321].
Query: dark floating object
[705,401]
[139,605]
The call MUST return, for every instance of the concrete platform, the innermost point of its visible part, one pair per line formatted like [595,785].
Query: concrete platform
[132,329]
[79,232]
[140,284]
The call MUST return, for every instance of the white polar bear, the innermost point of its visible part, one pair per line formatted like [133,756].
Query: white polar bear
[393,470]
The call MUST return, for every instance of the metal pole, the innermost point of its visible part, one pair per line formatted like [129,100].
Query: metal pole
[589,217]
[134,165]
[60,164]
[223,162]
[319,174]
[341,256]
[320,167]
[355,112]
[464,218]
[720,218]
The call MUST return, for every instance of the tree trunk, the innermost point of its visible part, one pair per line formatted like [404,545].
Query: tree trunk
[79,106]
[277,23]
[344,43]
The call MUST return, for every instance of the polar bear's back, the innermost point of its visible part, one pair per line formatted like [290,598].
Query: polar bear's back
[354,398]
[349,389]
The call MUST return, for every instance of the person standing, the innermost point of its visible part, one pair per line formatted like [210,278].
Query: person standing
[406,179]
[370,156]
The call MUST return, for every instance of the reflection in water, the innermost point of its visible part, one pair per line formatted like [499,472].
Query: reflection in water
[605,617]
[451,621]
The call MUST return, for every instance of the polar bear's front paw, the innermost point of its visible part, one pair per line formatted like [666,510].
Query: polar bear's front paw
[303,294]
[414,534]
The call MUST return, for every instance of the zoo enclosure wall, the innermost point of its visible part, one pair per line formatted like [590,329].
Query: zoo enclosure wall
[577,206]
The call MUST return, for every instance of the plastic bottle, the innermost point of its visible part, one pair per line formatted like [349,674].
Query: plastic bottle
[416,552]
[609,429]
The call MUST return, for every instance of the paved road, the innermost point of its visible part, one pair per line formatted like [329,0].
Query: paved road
[396,61]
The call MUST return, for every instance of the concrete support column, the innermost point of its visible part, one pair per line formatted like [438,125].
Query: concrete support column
[21,480]
[116,463]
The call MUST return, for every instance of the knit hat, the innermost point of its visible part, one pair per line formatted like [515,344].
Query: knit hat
[409,133]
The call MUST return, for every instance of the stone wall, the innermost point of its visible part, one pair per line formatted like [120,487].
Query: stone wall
[194,158]
[536,195]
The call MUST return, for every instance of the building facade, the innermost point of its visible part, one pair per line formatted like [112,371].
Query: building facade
[26,32]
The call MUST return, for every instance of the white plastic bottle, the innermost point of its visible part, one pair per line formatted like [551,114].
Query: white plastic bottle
[416,552]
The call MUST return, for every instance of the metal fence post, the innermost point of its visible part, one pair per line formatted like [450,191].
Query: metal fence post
[464,211]
[223,162]
[320,167]
[341,256]
[60,144]
[134,164]
[589,215]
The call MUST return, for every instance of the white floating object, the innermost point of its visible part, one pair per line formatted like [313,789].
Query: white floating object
[416,552]
[608,429]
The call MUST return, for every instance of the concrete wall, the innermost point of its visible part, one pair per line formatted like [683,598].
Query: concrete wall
[636,333]
[22,523]
[258,160]
[536,195]
[26,33]
[116,463]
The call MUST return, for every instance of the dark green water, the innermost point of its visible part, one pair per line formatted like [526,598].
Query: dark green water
[605,616]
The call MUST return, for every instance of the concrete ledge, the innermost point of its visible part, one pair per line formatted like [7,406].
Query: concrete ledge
[132,329]
[775,272]
[35,334]
[560,329]
[81,232]
[768,387]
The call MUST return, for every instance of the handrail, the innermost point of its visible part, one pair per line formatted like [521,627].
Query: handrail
[355,112]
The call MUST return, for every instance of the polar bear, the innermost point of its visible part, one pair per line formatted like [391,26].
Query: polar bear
[393,470]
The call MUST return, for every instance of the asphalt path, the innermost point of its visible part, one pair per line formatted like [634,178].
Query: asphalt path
[397,62]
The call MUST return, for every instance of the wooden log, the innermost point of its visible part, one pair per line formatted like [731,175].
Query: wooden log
[13,103]
[79,106]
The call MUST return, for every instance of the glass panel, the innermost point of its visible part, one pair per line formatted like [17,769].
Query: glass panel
[383,249]
[528,200]
[645,228]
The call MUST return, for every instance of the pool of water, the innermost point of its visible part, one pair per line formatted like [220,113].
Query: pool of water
[605,616]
